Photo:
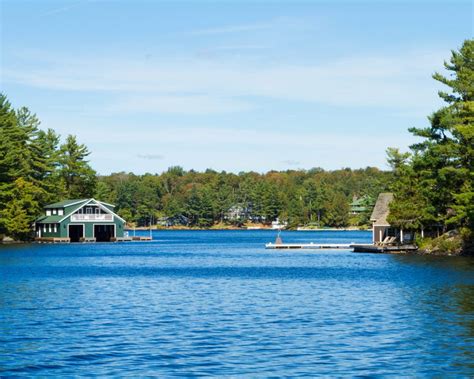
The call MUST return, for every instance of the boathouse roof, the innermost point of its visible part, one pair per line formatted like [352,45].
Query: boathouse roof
[68,203]
[381,209]
[71,206]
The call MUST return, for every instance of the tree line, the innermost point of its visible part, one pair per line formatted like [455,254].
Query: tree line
[299,197]
[434,182]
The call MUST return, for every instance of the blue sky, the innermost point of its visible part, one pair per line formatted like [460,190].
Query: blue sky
[230,85]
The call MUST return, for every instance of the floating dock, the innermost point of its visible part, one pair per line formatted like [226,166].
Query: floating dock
[91,239]
[345,246]
[52,239]
[356,248]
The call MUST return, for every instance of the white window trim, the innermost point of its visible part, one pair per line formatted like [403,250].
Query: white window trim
[48,212]
[99,204]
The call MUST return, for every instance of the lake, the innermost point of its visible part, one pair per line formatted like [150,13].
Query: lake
[216,303]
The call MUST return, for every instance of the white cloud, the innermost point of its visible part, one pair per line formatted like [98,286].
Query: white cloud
[291,162]
[151,157]
[277,23]
[223,149]
[184,104]
[215,137]
[401,82]
[251,27]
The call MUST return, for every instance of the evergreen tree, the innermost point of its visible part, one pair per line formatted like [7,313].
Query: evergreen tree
[336,211]
[11,152]
[78,177]
[16,218]
[437,182]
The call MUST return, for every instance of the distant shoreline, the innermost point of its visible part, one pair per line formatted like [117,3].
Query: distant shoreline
[350,229]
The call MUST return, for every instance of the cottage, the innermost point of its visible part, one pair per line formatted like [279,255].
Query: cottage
[237,213]
[360,205]
[381,229]
[79,220]
[178,220]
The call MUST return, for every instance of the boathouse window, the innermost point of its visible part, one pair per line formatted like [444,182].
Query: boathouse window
[48,212]
[55,228]
[54,211]
[89,210]
[60,212]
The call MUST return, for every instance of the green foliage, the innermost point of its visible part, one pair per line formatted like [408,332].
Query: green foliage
[434,184]
[315,197]
[19,212]
[445,244]
[337,210]
[34,171]
[78,177]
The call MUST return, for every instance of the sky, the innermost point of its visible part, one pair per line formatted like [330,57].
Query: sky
[230,85]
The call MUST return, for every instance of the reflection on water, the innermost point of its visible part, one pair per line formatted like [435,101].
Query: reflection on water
[217,303]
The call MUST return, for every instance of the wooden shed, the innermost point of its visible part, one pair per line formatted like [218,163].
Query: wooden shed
[380,226]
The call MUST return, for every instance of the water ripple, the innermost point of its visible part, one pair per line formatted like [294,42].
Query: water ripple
[218,304]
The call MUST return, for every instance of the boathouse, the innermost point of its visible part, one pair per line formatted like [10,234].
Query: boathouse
[381,228]
[79,220]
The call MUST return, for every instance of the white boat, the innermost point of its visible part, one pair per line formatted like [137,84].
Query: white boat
[279,225]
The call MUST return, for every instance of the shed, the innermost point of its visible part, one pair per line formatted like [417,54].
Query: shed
[380,226]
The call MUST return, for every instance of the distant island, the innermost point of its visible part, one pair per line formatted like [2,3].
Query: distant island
[433,184]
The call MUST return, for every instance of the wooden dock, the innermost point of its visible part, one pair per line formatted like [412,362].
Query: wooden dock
[132,239]
[311,245]
[90,239]
[52,239]
[394,249]
[356,248]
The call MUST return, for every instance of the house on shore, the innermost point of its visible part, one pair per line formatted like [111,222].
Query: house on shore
[237,213]
[360,205]
[383,232]
[79,220]
[178,220]
[381,229]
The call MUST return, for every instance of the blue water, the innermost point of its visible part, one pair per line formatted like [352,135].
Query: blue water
[200,303]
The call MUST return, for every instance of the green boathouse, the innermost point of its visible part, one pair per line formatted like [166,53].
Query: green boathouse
[79,220]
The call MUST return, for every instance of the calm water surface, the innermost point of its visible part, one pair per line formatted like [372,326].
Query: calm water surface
[217,303]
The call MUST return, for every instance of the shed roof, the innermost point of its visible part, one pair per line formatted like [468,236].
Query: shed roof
[65,203]
[381,209]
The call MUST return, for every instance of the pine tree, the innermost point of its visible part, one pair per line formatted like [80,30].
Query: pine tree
[16,218]
[446,156]
[336,210]
[78,177]
[436,182]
